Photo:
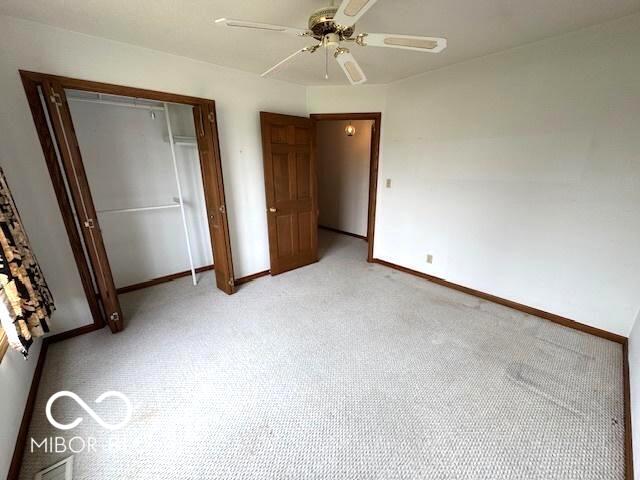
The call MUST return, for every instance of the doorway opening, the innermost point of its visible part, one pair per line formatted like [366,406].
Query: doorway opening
[347,154]
[290,151]
[138,179]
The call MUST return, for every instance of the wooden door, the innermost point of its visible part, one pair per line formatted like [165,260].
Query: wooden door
[288,147]
[206,133]
[66,139]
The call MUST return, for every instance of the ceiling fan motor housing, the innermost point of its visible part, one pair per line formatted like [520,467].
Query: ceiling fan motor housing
[321,24]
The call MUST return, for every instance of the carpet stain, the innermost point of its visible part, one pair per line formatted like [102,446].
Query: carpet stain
[545,386]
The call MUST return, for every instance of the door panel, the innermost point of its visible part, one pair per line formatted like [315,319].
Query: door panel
[302,136]
[284,228]
[72,161]
[207,136]
[281,176]
[303,173]
[278,134]
[288,145]
[306,229]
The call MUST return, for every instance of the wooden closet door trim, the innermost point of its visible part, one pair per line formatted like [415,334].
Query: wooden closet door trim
[64,202]
[60,116]
[222,248]
[213,184]
[111,89]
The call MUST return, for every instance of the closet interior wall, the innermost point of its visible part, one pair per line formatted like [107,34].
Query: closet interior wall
[129,164]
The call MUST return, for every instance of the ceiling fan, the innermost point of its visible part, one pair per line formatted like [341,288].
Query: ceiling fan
[334,27]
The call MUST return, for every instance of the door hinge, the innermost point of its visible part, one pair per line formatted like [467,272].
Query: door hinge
[212,117]
[222,209]
[114,317]
[90,223]
[56,99]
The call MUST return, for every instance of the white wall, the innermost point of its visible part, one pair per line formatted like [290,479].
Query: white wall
[343,175]
[15,381]
[634,380]
[127,158]
[239,97]
[346,99]
[520,173]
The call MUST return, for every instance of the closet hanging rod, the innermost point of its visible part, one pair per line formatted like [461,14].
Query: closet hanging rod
[117,104]
[141,209]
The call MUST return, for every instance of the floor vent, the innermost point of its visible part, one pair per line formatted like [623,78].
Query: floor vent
[60,471]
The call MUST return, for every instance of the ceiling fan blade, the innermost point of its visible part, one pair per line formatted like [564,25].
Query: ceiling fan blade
[350,11]
[289,58]
[229,22]
[407,42]
[350,67]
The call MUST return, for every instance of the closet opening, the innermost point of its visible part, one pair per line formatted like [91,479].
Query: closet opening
[347,152]
[138,179]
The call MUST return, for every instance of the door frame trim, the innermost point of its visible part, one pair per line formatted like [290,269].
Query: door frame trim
[373,166]
[31,81]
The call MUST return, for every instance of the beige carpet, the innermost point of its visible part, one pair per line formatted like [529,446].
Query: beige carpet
[339,370]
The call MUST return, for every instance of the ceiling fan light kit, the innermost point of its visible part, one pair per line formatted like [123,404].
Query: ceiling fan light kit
[333,26]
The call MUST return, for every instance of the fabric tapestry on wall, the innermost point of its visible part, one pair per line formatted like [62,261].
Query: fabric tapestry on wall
[25,300]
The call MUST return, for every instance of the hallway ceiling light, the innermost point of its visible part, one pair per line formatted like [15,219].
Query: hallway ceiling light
[350,130]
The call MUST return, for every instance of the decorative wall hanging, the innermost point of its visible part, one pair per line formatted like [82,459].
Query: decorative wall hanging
[25,300]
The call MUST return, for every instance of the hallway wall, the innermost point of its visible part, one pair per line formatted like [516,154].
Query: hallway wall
[343,175]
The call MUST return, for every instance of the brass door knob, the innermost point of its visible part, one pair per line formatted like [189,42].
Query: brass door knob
[273,210]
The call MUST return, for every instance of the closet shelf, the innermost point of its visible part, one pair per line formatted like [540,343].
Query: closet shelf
[141,209]
[116,103]
[178,140]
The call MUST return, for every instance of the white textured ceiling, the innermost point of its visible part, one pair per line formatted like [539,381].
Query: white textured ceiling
[473,27]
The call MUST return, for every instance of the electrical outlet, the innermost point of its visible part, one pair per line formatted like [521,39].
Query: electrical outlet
[429,258]
[388,183]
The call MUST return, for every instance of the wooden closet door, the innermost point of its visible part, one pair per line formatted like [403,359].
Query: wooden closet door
[288,146]
[67,141]
[211,167]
